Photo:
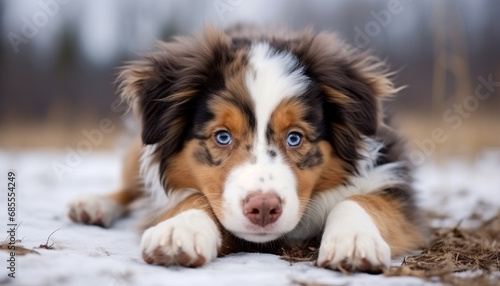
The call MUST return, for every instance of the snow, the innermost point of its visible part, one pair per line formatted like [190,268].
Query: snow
[89,255]
[459,189]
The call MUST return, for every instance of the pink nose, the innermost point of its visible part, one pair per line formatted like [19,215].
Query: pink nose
[262,208]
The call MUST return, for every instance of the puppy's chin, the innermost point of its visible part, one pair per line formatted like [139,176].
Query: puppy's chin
[257,237]
[253,233]
[242,228]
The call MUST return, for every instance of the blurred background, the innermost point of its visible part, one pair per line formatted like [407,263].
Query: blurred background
[59,59]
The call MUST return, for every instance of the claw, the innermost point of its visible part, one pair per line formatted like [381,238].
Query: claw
[72,215]
[362,253]
[85,217]
[198,262]
[183,258]
[148,259]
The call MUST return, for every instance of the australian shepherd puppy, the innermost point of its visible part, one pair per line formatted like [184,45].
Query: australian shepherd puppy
[260,138]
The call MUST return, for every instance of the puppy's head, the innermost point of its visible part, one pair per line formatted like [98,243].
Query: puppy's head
[257,124]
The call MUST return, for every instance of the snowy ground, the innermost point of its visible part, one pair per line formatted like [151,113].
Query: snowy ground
[88,255]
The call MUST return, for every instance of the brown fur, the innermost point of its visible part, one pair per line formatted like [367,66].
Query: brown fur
[187,172]
[195,201]
[327,172]
[132,186]
[401,234]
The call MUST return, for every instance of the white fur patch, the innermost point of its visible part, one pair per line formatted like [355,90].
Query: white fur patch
[352,237]
[272,77]
[192,232]
[269,82]
[150,172]
[95,209]
[370,179]
[268,177]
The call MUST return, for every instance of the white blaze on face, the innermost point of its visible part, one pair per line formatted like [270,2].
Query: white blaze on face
[269,81]
[272,77]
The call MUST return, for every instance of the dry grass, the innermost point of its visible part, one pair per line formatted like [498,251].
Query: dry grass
[304,253]
[450,251]
[457,250]
[19,250]
[46,244]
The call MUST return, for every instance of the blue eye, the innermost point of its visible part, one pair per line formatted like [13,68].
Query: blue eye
[223,138]
[294,139]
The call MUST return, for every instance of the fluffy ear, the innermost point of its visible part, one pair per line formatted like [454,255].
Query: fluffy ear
[355,81]
[139,89]
[164,87]
[353,85]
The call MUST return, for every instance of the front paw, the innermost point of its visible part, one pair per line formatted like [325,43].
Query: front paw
[95,209]
[352,242]
[189,239]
